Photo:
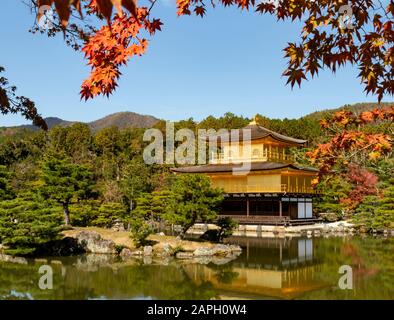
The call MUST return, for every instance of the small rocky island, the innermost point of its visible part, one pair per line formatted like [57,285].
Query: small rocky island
[107,241]
[161,248]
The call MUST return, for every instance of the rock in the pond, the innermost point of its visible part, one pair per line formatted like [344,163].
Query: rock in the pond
[202,252]
[184,255]
[92,242]
[235,248]
[147,250]
[167,249]
[8,258]
[126,253]
[221,250]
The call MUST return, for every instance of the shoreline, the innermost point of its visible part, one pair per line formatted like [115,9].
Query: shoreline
[94,240]
[339,228]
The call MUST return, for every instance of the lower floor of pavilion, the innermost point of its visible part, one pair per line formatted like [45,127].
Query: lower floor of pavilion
[269,209]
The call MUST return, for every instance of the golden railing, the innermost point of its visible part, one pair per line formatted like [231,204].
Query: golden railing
[265,156]
[282,188]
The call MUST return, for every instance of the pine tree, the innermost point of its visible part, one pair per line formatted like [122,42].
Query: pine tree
[377,213]
[109,213]
[66,182]
[27,222]
[193,199]
[151,206]
[385,211]
[335,191]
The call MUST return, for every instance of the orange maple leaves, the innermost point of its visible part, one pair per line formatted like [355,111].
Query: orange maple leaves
[347,118]
[349,142]
[113,44]
[111,47]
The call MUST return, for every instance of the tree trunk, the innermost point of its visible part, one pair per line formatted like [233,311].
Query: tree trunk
[66,212]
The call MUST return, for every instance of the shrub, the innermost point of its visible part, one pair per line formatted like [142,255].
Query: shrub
[226,227]
[140,231]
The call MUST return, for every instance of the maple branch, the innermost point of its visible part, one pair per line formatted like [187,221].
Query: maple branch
[10,103]
[383,9]
[153,2]
[358,150]
[73,34]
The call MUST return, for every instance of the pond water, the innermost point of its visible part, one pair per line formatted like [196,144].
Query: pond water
[297,268]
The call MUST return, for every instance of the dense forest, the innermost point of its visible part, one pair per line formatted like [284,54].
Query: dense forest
[73,175]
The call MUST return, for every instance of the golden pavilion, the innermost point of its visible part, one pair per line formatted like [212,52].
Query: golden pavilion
[257,171]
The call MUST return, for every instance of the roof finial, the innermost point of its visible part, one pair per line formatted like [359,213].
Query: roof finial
[254,121]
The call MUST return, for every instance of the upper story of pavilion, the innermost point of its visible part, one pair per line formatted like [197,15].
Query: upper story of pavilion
[253,143]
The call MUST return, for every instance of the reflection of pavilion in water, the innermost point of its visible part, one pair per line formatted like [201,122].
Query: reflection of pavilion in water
[282,268]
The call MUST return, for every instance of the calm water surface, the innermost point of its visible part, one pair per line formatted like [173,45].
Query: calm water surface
[297,268]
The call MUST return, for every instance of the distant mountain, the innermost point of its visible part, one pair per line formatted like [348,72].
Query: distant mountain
[121,120]
[51,122]
[357,108]
[124,120]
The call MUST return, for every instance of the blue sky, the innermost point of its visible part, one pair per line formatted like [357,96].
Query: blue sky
[228,61]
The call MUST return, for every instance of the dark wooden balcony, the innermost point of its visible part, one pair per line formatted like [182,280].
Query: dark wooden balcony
[271,220]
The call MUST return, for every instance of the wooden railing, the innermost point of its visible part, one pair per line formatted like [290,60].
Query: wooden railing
[258,219]
[270,220]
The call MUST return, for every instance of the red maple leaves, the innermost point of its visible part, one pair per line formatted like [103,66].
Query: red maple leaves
[364,184]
